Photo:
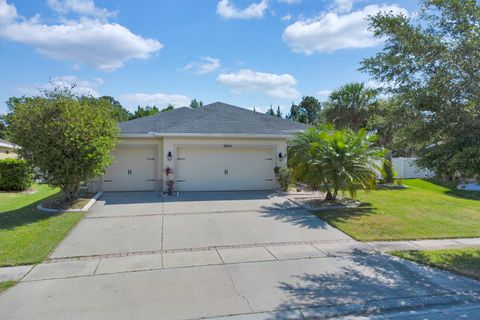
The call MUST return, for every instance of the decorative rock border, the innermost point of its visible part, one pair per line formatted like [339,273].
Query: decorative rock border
[84,209]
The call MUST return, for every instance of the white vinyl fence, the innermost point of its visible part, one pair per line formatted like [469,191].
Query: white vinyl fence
[406,168]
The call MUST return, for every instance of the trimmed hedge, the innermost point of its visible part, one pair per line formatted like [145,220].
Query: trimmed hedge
[15,175]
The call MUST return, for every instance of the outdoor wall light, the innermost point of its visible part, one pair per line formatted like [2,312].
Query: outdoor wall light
[169,156]
[280,156]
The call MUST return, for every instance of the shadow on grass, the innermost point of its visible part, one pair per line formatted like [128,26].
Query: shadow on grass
[462,261]
[295,216]
[345,214]
[26,215]
[453,191]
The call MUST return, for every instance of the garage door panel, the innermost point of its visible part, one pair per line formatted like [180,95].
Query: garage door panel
[215,169]
[132,169]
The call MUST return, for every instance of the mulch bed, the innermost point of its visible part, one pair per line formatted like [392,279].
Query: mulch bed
[61,204]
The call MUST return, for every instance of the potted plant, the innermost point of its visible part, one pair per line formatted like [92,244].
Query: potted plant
[170,180]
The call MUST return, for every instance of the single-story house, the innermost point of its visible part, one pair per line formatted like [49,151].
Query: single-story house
[8,149]
[217,147]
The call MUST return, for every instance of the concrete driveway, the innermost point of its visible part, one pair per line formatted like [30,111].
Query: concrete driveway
[252,255]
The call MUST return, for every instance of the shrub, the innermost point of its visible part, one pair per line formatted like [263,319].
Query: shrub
[284,177]
[388,172]
[338,160]
[15,175]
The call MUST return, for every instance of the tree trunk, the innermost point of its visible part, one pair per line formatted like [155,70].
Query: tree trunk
[329,196]
[71,190]
[388,168]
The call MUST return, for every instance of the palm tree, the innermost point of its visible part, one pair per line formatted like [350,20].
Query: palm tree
[340,160]
[350,106]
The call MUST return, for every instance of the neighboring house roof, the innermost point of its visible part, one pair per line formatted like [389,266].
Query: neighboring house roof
[8,144]
[214,119]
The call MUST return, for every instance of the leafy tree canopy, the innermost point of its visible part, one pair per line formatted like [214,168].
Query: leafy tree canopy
[432,63]
[307,111]
[119,113]
[67,138]
[196,104]
[270,111]
[144,112]
[350,106]
[279,113]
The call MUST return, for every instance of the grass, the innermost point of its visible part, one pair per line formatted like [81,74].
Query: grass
[462,261]
[426,209]
[27,235]
[4,285]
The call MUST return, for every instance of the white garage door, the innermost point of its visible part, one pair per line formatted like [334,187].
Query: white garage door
[132,170]
[225,169]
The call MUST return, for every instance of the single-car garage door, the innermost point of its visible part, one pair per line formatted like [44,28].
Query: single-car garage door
[132,170]
[224,169]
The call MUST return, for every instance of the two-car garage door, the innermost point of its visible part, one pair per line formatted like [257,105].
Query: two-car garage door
[197,169]
[224,169]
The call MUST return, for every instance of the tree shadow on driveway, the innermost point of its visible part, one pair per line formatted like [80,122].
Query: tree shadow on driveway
[295,216]
[364,278]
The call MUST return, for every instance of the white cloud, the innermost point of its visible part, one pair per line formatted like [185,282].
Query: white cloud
[342,6]
[204,66]
[324,93]
[331,31]
[81,7]
[228,10]
[8,13]
[103,45]
[158,99]
[287,17]
[274,85]
[80,86]
[290,1]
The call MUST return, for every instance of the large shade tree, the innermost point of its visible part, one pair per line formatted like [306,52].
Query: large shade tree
[67,138]
[394,124]
[350,106]
[338,160]
[307,111]
[431,61]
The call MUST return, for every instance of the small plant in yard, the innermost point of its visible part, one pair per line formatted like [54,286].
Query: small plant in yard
[170,180]
[284,177]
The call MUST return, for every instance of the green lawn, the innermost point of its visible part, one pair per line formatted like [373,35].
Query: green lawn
[462,261]
[4,285]
[426,209]
[28,235]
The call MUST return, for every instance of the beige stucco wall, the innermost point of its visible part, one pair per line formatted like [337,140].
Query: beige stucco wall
[171,144]
[7,153]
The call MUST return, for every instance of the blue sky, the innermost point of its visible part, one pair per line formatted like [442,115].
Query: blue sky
[250,53]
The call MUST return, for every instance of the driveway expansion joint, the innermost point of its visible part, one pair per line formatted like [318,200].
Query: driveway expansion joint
[148,252]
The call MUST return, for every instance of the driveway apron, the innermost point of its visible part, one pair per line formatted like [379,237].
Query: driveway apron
[249,255]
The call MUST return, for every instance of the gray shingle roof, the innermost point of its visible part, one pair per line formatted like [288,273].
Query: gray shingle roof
[215,118]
